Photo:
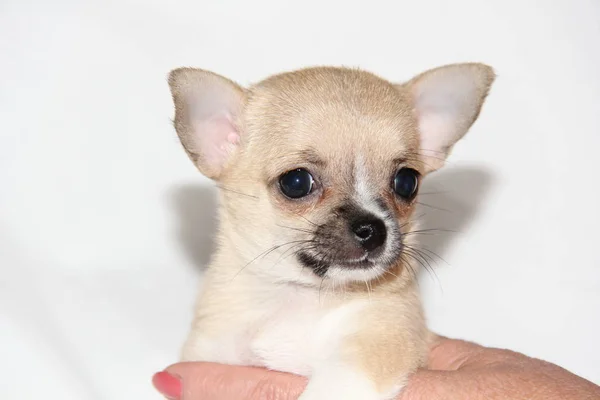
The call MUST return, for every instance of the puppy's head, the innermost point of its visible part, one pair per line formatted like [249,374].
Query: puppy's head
[319,168]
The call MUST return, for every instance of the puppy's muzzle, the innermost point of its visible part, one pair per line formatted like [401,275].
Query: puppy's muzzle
[353,238]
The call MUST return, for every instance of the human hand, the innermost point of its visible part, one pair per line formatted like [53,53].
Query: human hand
[456,370]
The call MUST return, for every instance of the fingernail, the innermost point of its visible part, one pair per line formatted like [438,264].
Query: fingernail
[167,384]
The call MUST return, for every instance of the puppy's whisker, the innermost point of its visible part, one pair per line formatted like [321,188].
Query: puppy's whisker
[264,254]
[429,155]
[431,271]
[386,271]
[368,288]
[284,244]
[418,257]
[431,253]
[426,256]
[307,220]
[435,154]
[417,217]
[293,252]
[403,225]
[434,207]
[378,277]
[328,286]
[419,159]
[303,246]
[334,257]
[333,286]
[433,151]
[432,193]
[428,263]
[411,221]
[406,263]
[236,192]
[432,231]
[296,229]
[320,287]
[323,261]
[424,260]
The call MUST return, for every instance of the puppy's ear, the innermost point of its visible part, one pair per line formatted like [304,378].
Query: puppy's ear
[207,109]
[447,101]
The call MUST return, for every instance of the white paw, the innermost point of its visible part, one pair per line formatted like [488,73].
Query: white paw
[201,348]
[340,383]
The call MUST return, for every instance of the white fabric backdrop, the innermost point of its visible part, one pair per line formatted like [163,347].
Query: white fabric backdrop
[103,220]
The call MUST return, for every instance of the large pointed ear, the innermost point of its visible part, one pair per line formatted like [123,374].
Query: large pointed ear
[447,101]
[207,111]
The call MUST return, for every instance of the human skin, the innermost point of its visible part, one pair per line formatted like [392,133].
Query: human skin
[456,370]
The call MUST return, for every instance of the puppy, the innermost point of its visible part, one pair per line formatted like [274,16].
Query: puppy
[318,171]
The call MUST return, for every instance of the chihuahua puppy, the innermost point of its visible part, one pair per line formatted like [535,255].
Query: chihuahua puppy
[318,171]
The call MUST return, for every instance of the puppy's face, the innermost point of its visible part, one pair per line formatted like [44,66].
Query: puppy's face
[319,168]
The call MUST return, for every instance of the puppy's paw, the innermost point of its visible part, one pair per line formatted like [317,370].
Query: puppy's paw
[342,383]
[202,348]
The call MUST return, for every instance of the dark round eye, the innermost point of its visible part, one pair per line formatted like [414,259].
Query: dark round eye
[296,183]
[405,183]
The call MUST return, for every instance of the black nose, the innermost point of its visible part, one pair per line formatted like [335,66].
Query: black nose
[370,233]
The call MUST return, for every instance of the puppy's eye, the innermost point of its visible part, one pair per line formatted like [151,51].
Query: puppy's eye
[405,183]
[296,183]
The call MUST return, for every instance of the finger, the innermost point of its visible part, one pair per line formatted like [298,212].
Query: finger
[451,354]
[431,385]
[207,381]
[539,381]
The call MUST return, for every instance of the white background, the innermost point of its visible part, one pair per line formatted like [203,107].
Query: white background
[103,220]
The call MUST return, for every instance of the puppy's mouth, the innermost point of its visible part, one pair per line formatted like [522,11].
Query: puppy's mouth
[363,262]
[349,265]
[321,264]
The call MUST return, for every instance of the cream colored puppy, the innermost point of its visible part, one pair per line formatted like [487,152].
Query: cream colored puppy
[318,171]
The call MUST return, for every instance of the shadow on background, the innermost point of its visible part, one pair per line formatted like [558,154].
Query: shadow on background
[196,208]
[449,200]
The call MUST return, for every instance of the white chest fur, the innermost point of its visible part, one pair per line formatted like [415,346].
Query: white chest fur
[300,337]
[294,333]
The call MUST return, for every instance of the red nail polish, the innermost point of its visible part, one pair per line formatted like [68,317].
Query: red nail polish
[167,384]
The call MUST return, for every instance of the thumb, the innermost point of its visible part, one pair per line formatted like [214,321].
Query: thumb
[208,381]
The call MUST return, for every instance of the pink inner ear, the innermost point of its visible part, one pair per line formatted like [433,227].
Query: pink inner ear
[233,138]
[214,139]
[437,132]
